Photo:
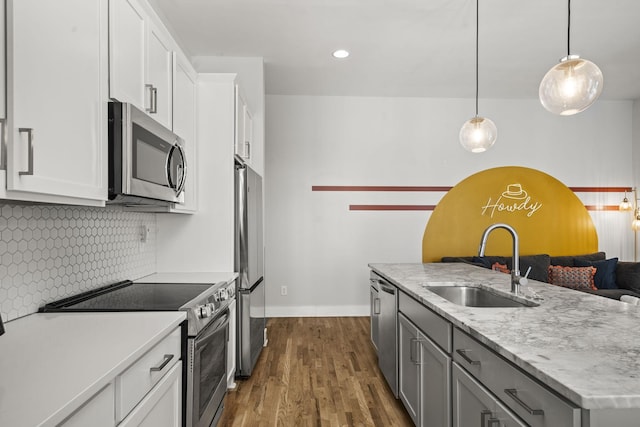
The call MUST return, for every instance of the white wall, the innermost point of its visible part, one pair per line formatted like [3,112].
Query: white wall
[320,250]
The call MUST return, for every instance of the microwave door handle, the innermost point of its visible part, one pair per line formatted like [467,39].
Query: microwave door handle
[178,186]
[183,175]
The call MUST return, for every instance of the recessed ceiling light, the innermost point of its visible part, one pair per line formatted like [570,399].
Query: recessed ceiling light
[340,54]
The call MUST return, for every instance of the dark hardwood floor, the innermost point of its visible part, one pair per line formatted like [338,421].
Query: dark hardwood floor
[315,372]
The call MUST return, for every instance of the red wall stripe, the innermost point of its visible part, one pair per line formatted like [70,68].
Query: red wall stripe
[377,188]
[447,188]
[602,208]
[392,207]
[600,189]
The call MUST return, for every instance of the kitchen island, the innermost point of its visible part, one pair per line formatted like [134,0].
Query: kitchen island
[583,347]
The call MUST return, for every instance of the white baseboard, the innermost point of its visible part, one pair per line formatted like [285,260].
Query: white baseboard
[318,311]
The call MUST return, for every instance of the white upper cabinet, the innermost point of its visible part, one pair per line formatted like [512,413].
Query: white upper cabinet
[127,34]
[141,60]
[244,128]
[56,101]
[184,125]
[3,77]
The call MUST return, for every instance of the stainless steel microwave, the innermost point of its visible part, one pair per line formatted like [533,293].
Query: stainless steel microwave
[147,162]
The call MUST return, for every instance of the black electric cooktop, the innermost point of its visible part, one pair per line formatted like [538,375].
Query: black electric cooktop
[129,296]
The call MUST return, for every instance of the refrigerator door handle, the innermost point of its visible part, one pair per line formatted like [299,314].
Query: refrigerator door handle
[252,288]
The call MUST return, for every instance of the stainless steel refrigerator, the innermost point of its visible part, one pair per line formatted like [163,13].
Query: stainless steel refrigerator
[249,263]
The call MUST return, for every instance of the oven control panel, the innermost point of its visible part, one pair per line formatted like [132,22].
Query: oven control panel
[208,308]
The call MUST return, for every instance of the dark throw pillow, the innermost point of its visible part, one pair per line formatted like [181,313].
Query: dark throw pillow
[628,276]
[568,261]
[539,265]
[488,261]
[605,277]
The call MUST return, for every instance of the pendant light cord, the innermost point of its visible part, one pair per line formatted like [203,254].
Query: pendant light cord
[477,31]
[568,28]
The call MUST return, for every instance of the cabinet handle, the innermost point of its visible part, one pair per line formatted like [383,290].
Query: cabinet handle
[247,144]
[3,145]
[513,393]
[490,422]
[483,417]
[463,354]
[167,359]
[153,99]
[29,132]
[376,306]
[414,343]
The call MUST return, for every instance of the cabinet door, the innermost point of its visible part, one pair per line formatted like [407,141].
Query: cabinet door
[409,366]
[97,412]
[435,384]
[127,38]
[159,80]
[57,87]
[3,77]
[184,125]
[162,406]
[473,405]
[239,146]
[248,133]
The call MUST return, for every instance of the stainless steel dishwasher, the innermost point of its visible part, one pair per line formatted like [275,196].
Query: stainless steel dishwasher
[387,331]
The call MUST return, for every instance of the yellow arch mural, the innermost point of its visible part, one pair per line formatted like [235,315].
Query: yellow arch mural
[548,216]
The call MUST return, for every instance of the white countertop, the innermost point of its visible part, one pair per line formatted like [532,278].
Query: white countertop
[585,347]
[50,363]
[191,277]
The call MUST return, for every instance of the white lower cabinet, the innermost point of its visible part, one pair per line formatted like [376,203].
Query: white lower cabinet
[96,412]
[424,377]
[474,406]
[146,373]
[162,406]
[148,393]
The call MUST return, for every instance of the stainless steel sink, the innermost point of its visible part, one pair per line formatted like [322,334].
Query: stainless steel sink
[472,296]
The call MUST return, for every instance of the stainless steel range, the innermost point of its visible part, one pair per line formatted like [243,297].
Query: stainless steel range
[206,338]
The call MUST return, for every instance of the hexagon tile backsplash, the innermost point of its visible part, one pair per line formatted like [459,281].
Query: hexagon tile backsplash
[51,252]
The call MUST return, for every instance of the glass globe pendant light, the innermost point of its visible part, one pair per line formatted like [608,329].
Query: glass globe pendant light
[478,134]
[625,204]
[572,85]
[635,224]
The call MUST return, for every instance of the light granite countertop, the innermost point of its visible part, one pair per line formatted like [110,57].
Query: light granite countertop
[585,347]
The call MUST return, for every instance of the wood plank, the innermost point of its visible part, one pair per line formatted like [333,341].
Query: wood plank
[315,372]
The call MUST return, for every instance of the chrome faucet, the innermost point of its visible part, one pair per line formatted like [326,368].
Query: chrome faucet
[516,280]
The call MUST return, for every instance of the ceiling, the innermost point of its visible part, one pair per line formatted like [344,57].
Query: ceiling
[415,48]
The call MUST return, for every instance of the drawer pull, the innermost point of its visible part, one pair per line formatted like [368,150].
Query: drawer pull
[513,393]
[376,306]
[414,343]
[492,421]
[167,359]
[463,354]
[29,132]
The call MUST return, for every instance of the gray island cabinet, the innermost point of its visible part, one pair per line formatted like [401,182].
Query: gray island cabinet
[566,359]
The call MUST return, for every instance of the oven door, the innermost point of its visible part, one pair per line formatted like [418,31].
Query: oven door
[207,374]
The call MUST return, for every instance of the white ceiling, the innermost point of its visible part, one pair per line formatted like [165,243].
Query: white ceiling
[420,48]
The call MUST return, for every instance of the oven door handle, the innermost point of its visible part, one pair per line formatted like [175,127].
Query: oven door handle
[221,323]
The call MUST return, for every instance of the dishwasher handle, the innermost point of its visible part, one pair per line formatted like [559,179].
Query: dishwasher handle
[387,288]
